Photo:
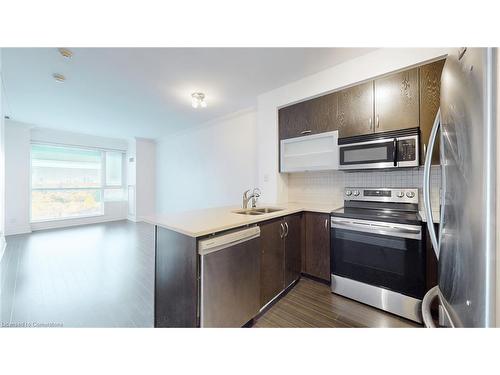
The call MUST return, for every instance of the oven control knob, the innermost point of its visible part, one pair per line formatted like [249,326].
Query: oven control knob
[356,193]
[410,194]
[348,193]
[400,194]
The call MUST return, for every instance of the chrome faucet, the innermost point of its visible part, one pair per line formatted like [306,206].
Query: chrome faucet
[246,198]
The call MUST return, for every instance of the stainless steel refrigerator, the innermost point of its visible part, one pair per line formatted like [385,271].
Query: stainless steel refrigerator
[465,244]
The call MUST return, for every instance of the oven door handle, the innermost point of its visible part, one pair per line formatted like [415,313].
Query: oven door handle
[397,231]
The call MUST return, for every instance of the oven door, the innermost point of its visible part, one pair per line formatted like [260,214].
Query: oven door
[381,153]
[386,255]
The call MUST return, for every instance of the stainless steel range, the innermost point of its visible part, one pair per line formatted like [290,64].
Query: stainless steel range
[377,251]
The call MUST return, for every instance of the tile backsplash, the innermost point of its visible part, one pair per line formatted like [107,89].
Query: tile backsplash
[328,186]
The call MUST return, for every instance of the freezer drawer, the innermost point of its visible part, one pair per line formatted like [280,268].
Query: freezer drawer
[230,279]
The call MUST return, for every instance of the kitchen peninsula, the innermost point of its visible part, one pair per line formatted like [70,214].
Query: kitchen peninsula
[276,262]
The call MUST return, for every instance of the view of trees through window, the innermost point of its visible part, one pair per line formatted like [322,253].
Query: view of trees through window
[68,182]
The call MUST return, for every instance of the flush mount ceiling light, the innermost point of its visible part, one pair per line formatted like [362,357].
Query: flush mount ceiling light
[198,100]
[66,53]
[59,77]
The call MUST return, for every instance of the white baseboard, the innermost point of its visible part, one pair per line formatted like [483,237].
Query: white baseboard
[12,230]
[74,222]
[133,218]
[3,245]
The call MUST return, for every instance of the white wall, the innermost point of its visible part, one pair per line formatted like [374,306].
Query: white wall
[209,165]
[379,62]
[141,178]
[17,177]
[112,211]
[131,179]
[18,138]
[77,139]
[498,194]
[2,168]
[145,177]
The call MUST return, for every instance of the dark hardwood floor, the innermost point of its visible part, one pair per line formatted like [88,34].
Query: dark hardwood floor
[310,304]
[99,275]
[102,275]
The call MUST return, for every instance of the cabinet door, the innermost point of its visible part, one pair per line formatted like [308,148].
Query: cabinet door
[396,101]
[318,245]
[293,121]
[430,86]
[355,110]
[313,116]
[292,248]
[272,280]
[323,114]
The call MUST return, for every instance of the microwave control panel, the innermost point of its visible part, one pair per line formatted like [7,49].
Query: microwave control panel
[407,150]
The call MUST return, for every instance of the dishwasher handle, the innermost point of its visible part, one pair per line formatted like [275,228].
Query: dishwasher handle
[224,241]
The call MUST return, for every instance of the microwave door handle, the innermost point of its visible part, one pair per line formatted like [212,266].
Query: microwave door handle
[395,152]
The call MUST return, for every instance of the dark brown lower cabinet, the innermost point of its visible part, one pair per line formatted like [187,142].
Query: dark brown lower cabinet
[175,280]
[292,248]
[281,241]
[317,245]
[272,259]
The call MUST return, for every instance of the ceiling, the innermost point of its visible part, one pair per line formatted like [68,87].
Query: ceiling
[146,92]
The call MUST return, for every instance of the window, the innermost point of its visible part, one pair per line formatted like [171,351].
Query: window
[114,168]
[114,190]
[68,182]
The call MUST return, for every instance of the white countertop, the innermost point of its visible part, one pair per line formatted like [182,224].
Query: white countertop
[435,216]
[199,223]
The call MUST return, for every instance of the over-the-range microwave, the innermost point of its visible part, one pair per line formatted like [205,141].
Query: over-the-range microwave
[394,149]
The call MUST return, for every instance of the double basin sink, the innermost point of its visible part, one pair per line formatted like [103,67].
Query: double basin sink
[257,211]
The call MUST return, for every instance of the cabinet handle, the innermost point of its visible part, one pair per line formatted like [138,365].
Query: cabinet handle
[306,132]
[378,122]
[425,150]
[370,122]
[282,231]
[326,224]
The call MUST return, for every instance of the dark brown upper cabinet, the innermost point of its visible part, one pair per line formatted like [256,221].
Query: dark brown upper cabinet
[355,110]
[310,117]
[430,86]
[402,100]
[293,120]
[396,101]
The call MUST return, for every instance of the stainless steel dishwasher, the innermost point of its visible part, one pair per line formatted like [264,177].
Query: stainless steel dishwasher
[230,278]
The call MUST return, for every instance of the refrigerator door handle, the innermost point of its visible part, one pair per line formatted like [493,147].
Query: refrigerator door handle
[429,297]
[427,183]
[426,307]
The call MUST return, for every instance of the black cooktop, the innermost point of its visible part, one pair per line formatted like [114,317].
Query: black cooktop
[392,213]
